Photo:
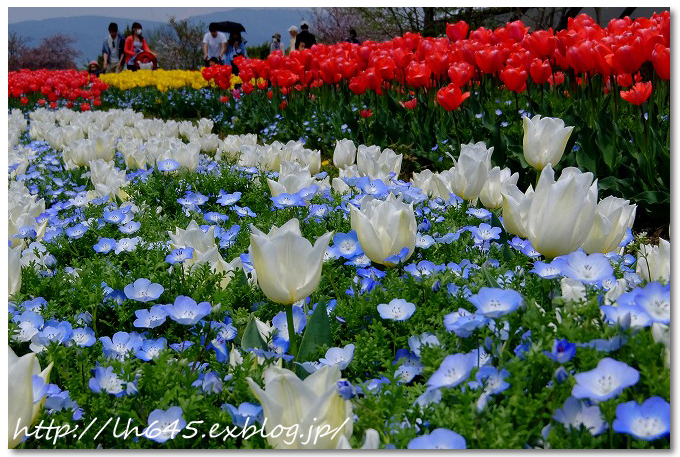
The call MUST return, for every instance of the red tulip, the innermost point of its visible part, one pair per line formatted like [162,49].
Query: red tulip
[53,105]
[450,97]
[418,74]
[24,100]
[457,31]
[401,58]
[366,113]
[438,63]
[224,99]
[540,71]
[461,73]
[514,78]
[516,30]
[661,59]
[580,58]
[283,104]
[69,105]
[358,84]
[85,107]
[541,43]
[638,94]
[627,58]
[489,59]
[42,101]
[411,104]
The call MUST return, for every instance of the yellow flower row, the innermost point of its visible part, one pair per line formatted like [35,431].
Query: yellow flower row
[162,79]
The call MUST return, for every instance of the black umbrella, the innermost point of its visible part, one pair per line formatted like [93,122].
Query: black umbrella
[230,27]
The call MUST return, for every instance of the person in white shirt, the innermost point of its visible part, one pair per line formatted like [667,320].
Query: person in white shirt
[293,35]
[214,44]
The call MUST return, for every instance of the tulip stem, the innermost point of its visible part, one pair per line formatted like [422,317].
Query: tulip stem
[292,349]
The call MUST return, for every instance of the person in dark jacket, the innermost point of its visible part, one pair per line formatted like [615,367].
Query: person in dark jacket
[353,37]
[304,39]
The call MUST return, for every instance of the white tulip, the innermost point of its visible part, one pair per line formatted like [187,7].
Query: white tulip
[572,289]
[561,212]
[288,266]
[491,195]
[14,269]
[345,153]
[466,179]
[654,262]
[303,407]
[23,410]
[544,140]
[340,186]
[613,217]
[516,209]
[384,228]
[292,178]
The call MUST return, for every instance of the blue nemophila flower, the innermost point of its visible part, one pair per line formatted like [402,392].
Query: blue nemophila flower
[105,380]
[397,309]
[319,211]
[480,213]
[210,382]
[179,255]
[627,316]
[493,381]
[151,318]
[26,231]
[562,351]
[228,238]
[347,244]
[518,243]
[284,200]
[561,374]
[186,311]
[116,297]
[121,344]
[307,193]
[143,290]
[575,413]
[649,421]
[114,216]
[126,244]
[83,337]
[546,270]
[627,238]
[76,231]
[280,322]
[164,425]
[463,322]
[167,165]
[416,342]
[246,414]
[376,187]
[340,357]
[612,344]
[654,299]
[440,438]
[423,268]
[424,241]
[346,390]
[410,366]
[453,370]
[530,251]
[485,233]
[130,227]
[228,199]
[181,347]
[493,302]
[151,349]
[580,266]
[35,305]
[399,257]
[606,381]
[214,217]
[105,245]
[243,211]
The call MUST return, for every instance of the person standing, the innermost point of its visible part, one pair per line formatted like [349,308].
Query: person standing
[112,51]
[353,37]
[304,39]
[214,44]
[236,46]
[276,43]
[293,35]
[135,44]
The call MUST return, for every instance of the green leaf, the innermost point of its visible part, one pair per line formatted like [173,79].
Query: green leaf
[496,222]
[317,332]
[489,279]
[251,337]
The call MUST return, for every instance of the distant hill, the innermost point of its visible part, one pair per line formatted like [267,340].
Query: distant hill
[89,31]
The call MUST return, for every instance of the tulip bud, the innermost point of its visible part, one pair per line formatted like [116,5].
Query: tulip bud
[491,195]
[313,405]
[384,228]
[544,140]
[654,262]
[22,410]
[344,154]
[288,267]
[468,176]
[613,216]
[561,212]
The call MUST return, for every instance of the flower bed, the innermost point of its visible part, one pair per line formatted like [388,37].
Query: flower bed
[176,279]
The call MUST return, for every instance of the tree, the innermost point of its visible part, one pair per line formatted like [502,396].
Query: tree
[16,45]
[53,53]
[178,45]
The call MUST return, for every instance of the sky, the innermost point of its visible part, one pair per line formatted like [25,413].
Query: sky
[21,14]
